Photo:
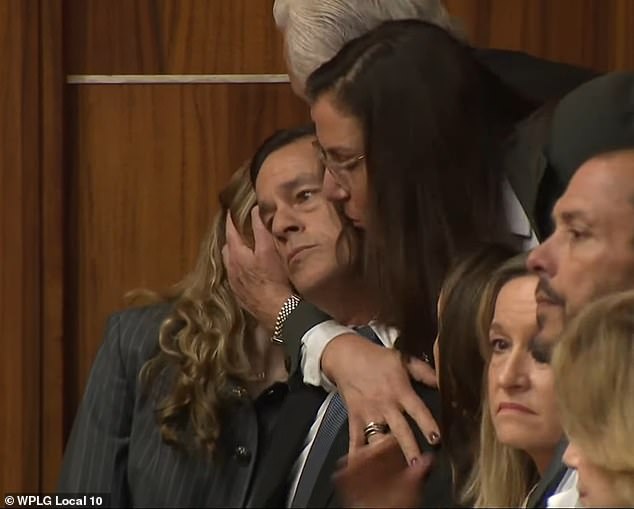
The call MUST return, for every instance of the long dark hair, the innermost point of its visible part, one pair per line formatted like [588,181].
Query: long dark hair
[433,121]
[460,366]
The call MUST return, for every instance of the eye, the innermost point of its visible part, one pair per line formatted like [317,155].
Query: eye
[305,195]
[541,354]
[577,234]
[499,345]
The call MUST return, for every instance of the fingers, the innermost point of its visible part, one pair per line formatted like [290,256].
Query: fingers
[403,434]
[233,240]
[416,409]
[377,438]
[420,467]
[357,438]
[263,238]
[421,371]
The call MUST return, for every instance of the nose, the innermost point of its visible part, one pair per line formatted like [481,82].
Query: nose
[571,455]
[284,222]
[513,375]
[332,189]
[540,259]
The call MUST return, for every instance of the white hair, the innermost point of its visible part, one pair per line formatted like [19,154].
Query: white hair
[315,30]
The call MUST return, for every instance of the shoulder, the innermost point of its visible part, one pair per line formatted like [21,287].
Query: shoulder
[133,333]
[535,77]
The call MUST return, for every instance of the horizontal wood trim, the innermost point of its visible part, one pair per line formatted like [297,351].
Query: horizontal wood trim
[157,79]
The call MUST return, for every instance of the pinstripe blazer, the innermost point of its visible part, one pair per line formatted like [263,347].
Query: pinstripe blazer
[115,445]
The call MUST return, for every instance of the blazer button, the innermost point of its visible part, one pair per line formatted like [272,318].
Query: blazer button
[242,453]
[239,392]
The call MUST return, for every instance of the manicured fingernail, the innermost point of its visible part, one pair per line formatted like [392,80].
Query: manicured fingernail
[434,437]
[413,462]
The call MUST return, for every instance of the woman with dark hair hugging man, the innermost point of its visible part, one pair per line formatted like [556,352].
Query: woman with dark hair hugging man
[412,132]
[183,394]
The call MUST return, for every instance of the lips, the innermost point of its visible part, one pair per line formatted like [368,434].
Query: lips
[295,251]
[514,407]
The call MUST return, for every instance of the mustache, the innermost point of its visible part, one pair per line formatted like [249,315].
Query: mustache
[544,288]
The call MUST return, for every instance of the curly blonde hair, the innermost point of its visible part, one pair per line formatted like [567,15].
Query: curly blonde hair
[206,339]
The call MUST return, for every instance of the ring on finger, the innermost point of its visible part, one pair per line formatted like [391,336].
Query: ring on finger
[374,428]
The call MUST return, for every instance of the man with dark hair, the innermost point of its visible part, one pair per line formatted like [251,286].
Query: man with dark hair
[591,251]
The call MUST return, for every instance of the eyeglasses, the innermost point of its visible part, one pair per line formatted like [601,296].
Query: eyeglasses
[338,169]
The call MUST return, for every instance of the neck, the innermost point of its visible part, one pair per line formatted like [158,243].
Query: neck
[542,459]
[346,299]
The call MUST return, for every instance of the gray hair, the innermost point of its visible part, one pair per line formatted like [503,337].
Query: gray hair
[316,30]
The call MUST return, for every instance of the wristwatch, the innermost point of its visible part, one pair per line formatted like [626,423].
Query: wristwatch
[287,308]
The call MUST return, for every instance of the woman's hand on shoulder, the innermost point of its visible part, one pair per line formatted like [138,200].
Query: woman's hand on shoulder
[375,384]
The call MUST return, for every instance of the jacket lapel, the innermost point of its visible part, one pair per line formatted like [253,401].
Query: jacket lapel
[551,477]
[270,484]
[524,160]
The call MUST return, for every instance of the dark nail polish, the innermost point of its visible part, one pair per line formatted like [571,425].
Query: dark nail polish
[434,437]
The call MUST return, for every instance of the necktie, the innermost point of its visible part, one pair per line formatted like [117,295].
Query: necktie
[334,417]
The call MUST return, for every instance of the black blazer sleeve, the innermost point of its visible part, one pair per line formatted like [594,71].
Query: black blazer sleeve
[303,318]
[96,455]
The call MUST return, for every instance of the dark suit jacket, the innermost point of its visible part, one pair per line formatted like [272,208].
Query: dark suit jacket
[535,78]
[547,485]
[271,486]
[115,446]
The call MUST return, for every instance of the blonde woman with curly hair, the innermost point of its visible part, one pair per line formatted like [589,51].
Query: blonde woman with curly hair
[597,348]
[183,393]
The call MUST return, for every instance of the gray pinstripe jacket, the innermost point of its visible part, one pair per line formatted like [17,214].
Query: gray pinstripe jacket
[115,445]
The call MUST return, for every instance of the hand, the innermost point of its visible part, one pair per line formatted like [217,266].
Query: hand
[374,383]
[378,476]
[257,276]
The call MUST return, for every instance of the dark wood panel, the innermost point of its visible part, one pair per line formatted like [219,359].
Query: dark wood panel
[147,164]
[19,247]
[171,36]
[591,33]
[52,241]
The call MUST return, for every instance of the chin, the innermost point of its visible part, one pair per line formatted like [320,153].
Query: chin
[515,435]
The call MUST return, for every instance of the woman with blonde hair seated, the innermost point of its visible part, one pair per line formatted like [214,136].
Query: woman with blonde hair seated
[593,364]
[520,428]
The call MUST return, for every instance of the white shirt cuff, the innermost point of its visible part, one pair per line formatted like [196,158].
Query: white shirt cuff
[314,343]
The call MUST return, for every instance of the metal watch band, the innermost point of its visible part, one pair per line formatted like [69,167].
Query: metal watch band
[287,308]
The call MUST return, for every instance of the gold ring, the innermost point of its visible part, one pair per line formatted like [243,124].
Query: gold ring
[374,428]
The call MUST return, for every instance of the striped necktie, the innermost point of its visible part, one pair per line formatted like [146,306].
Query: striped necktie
[334,417]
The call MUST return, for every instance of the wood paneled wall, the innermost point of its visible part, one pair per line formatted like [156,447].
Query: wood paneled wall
[107,188]
[30,240]
[591,33]
[20,284]
[148,162]
[172,37]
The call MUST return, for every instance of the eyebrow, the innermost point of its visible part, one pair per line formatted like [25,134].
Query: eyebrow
[496,328]
[287,187]
[569,216]
[340,151]
[300,180]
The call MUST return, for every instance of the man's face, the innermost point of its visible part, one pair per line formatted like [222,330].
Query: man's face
[591,252]
[305,225]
